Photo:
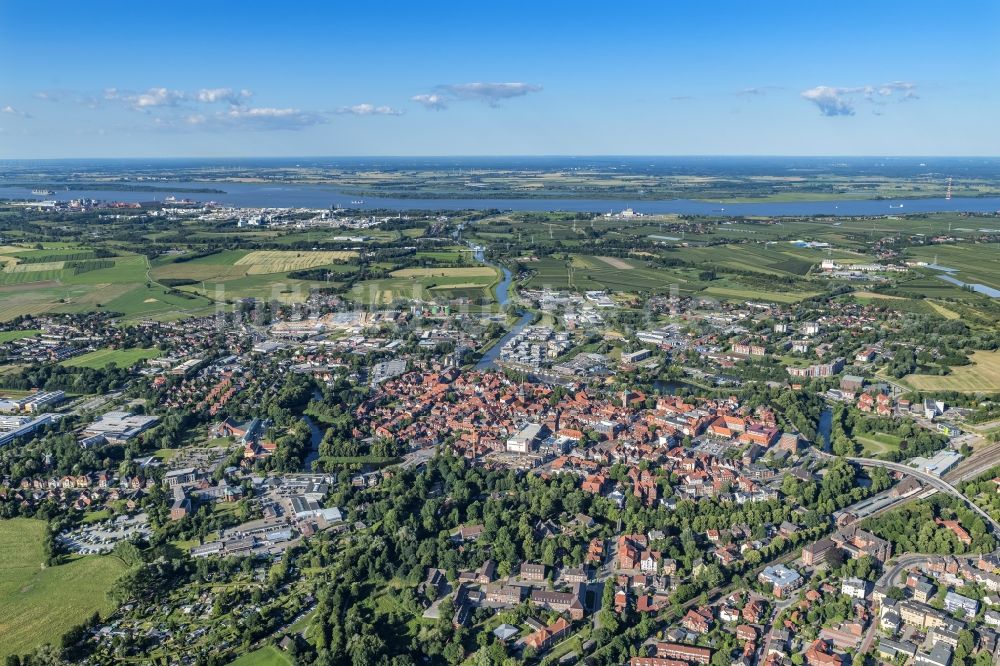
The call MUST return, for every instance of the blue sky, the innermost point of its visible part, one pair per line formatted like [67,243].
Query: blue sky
[174,79]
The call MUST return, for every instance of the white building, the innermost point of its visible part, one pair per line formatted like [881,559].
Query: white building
[525,439]
[854,587]
[120,426]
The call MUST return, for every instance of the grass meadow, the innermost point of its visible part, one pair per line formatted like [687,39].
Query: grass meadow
[39,604]
[982,375]
[123,358]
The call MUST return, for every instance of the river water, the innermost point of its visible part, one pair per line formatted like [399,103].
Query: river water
[321,196]
[488,361]
[315,437]
[974,286]
[825,426]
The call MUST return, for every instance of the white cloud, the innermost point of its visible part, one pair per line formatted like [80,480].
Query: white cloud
[204,109]
[213,95]
[155,97]
[10,110]
[252,119]
[370,110]
[489,93]
[431,101]
[906,89]
[166,97]
[830,101]
[841,101]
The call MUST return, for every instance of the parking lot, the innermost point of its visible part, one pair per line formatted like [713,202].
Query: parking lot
[102,537]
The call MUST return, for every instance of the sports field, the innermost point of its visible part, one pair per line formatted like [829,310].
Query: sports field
[982,375]
[123,358]
[38,604]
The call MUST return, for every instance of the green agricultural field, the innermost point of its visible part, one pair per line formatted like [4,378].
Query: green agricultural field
[466,272]
[278,287]
[265,656]
[38,604]
[434,283]
[119,284]
[975,262]
[234,274]
[943,311]
[585,272]
[757,295]
[123,358]
[450,255]
[428,284]
[982,375]
[281,261]
[897,303]
[773,259]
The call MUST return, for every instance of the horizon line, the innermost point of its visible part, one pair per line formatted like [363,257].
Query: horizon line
[507,156]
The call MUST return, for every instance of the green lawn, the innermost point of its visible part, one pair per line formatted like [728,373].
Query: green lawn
[878,443]
[38,605]
[9,336]
[96,516]
[165,455]
[265,656]
[124,358]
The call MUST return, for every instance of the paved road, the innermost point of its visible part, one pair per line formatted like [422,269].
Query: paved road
[888,579]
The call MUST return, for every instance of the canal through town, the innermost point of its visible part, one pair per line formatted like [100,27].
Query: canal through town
[503,288]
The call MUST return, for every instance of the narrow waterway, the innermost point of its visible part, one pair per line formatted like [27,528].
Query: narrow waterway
[825,426]
[488,361]
[315,437]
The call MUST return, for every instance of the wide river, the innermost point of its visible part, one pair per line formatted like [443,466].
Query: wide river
[318,196]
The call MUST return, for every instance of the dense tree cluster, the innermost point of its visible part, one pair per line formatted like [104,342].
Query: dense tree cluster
[911,528]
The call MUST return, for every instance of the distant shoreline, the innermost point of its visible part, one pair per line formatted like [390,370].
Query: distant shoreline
[112,187]
[798,197]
